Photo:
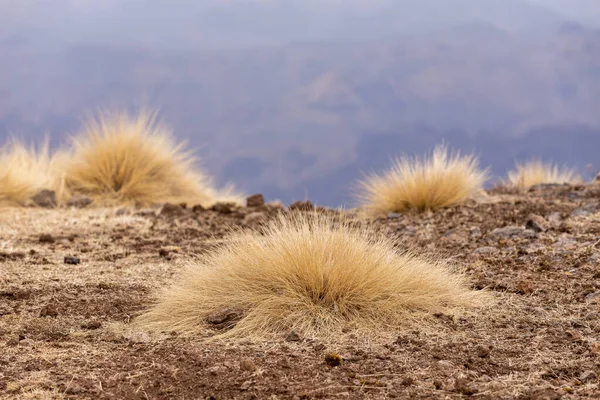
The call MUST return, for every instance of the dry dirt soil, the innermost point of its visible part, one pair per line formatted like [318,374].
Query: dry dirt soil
[65,329]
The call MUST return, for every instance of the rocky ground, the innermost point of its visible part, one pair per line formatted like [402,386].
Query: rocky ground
[71,281]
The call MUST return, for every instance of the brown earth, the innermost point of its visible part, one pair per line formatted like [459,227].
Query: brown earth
[65,329]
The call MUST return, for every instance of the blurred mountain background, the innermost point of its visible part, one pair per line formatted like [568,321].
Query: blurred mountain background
[299,98]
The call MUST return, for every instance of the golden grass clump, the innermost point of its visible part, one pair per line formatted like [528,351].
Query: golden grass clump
[423,184]
[120,159]
[537,172]
[24,172]
[310,275]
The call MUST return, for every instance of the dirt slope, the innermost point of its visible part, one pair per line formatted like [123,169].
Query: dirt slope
[65,329]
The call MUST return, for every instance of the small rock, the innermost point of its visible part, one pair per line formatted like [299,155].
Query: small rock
[163,253]
[544,186]
[46,238]
[171,210]
[593,297]
[486,250]
[445,364]
[248,365]
[529,234]
[72,260]
[302,206]
[462,385]
[223,208]
[45,198]
[408,381]
[393,215]
[293,336]
[482,351]
[198,208]
[505,233]
[49,310]
[333,360]
[79,201]
[224,316]
[92,325]
[121,211]
[536,223]
[255,218]
[588,376]
[438,384]
[256,200]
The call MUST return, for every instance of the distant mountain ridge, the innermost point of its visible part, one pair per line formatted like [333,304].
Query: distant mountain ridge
[310,115]
[218,23]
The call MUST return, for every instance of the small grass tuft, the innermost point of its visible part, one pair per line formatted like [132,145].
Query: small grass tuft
[23,173]
[537,172]
[429,183]
[122,159]
[307,274]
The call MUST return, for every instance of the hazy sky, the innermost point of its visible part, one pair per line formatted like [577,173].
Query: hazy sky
[96,18]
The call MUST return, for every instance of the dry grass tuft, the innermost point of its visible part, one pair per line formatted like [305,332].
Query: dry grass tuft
[423,184]
[309,275]
[24,172]
[537,172]
[120,159]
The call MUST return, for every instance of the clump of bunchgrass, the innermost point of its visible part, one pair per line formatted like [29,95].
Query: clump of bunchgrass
[428,183]
[310,275]
[526,175]
[123,159]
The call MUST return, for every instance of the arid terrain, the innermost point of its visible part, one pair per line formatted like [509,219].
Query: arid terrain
[65,328]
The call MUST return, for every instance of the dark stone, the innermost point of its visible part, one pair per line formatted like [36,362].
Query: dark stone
[536,223]
[302,206]
[79,201]
[198,208]
[171,210]
[333,360]
[224,316]
[72,260]
[256,200]
[223,208]
[92,325]
[293,336]
[165,254]
[46,238]
[45,199]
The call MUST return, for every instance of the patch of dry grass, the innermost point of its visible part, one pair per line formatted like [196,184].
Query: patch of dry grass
[307,274]
[24,172]
[427,183]
[123,159]
[537,172]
